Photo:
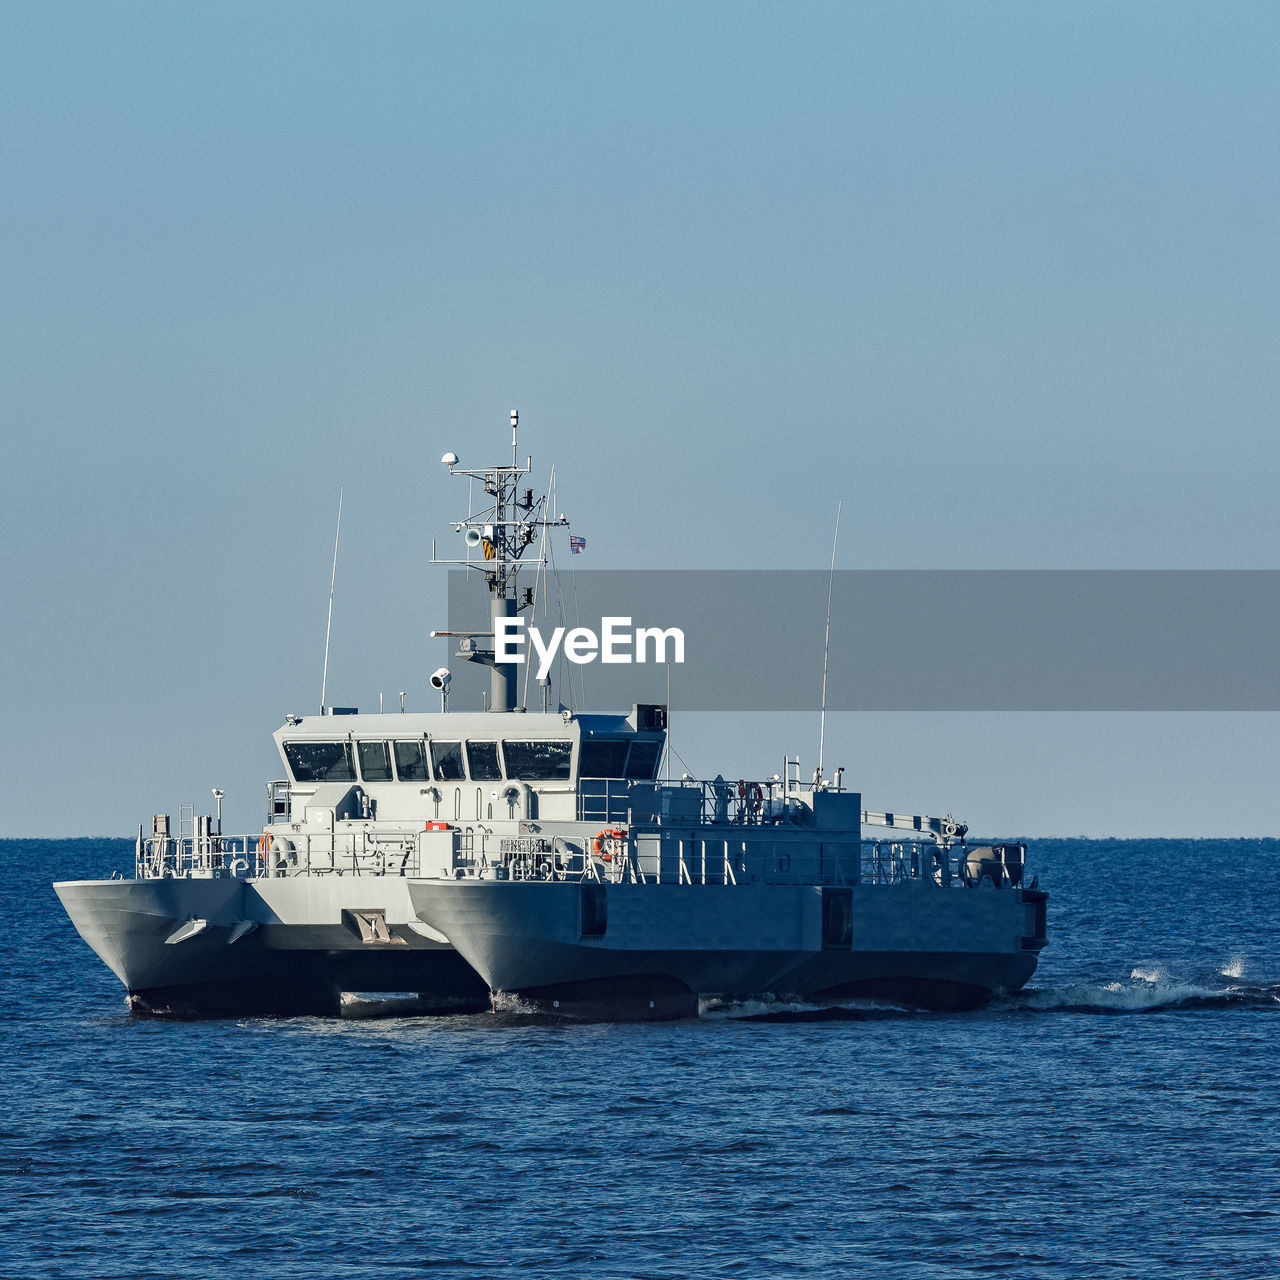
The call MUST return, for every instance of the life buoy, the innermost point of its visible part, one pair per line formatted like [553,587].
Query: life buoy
[600,842]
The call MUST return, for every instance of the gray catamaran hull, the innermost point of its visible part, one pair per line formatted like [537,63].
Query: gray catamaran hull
[233,947]
[655,950]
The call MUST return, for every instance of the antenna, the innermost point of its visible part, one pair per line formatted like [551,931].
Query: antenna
[539,595]
[504,528]
[826,649]
[667,752]
[328,626]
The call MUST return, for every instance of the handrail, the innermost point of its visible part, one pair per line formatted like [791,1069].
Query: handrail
[389,852]
[890,862]
[720,801]
[399,852]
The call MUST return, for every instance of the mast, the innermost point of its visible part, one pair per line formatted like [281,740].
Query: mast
[501,531]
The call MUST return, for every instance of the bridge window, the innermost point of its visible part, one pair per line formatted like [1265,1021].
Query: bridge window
[446,760]
[538,761]
[602,758]
[644,757]
[411,762]
[375,761]
[320,761]
[483,759]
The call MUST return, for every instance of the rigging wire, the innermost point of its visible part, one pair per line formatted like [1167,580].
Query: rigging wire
[328,626]
[539,579]
[826,645]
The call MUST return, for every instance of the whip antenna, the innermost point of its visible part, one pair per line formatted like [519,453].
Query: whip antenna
[328,626]
[826,647]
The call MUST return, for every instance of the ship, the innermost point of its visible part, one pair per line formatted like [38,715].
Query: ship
[539,860]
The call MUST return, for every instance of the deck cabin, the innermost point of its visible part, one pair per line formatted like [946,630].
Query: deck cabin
[466,793]
[462,767]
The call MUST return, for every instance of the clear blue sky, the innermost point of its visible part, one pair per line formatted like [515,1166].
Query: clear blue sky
[1003,277]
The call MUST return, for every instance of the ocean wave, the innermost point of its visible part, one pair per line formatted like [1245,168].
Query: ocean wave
[1148,990]
[509,1002]
[764,1009]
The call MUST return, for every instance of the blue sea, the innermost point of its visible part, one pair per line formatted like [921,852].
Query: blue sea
[1120,1118]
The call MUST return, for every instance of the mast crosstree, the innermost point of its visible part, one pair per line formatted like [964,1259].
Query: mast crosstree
[501,531]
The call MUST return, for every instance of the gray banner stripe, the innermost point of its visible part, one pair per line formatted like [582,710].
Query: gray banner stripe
[922,640]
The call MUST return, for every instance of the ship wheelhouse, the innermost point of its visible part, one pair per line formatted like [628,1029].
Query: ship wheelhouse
[460,767]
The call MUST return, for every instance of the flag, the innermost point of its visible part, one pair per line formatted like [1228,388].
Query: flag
[576,544]
[488,549]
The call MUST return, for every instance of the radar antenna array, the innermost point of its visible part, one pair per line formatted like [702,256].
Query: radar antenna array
[502,532]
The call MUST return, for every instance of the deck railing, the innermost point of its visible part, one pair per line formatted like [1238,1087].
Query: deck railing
[715,801]
[612,856]
[615,856]
[244,856]
[887,862]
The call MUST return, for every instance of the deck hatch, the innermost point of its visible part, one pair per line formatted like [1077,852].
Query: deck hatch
[837,919]
[595,910]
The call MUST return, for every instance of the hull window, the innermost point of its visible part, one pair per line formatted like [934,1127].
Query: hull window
[643,760]
[446,760]
[375,761]
[320,761]
[411,762]
[602,758]
[482,757]
[538,761]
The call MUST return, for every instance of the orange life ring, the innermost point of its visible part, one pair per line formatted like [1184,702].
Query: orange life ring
[602,837]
